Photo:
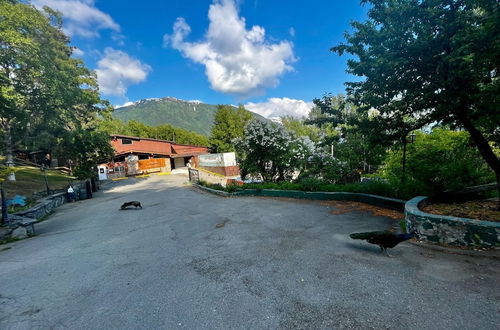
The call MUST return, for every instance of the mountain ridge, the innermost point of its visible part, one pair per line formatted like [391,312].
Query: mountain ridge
[192,115]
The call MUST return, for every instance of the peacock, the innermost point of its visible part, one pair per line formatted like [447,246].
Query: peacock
[384,239]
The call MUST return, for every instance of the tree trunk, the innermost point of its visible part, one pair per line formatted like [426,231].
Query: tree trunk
[9,158]
[484,148]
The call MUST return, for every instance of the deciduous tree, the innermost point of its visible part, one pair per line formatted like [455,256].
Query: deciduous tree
[433,61]
[42,88]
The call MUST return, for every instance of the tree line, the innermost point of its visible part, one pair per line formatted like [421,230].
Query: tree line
[429,69]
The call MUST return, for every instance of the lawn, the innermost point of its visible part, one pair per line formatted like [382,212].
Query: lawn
[30,180]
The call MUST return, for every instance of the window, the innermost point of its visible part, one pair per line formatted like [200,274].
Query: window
[119,169]
[126,141]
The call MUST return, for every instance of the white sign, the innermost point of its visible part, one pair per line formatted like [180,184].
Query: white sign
[218,160]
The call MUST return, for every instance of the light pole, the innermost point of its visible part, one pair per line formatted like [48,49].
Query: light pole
[412,139]
[42,168]
[5,213]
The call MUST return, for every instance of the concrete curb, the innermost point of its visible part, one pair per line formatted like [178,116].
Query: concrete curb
[465,251]
[450,230]
[213,191]
[391,203]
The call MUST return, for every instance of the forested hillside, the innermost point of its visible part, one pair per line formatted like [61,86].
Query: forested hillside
[190,115]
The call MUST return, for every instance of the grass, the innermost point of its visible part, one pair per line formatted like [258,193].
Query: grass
[30,180]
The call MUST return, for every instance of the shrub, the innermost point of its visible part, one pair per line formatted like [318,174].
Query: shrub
[441,160]
[267,150]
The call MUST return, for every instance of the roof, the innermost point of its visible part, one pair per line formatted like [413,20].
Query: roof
[157,140]
[131,151]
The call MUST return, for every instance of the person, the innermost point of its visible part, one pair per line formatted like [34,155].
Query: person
[71,194]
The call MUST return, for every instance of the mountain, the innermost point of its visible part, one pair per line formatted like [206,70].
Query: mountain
[191,115]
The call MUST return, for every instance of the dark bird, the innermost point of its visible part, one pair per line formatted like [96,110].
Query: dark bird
[132,203]
[384,239]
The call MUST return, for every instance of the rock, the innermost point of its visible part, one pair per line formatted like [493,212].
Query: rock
[19,233]
[5,233]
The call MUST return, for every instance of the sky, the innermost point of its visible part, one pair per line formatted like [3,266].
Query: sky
[271,56]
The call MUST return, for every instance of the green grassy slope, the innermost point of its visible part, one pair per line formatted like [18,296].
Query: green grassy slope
[30,180]
[193,116]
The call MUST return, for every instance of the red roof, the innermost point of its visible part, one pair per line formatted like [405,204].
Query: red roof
[153,146]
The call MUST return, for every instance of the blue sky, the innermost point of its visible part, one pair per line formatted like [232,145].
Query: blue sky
[271,56]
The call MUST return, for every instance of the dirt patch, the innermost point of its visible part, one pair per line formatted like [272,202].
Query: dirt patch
[342,207]
[477,210]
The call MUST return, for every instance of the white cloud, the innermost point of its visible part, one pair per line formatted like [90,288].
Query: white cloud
[116,70]
[292,32]
[126,104]
[78,52]
[81,17]
[237,61]
[279,107]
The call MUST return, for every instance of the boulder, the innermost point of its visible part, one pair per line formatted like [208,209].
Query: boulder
[19,233]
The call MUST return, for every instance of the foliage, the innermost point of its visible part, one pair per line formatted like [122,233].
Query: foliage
[430,61]
[5,171]
[441,160]
[216,186]
[192,116]
[299,127]
[324,167]
[45,94]
[168,132]
[229,124]
[381,188]
[87,148]
[272,153]
[350,135]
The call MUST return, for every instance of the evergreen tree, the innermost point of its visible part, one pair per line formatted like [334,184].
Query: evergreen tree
[229,124]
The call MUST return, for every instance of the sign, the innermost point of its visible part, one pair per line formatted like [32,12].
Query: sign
[218,160]
[152,163]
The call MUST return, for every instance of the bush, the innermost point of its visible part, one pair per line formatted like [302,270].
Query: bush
[381,188]
[216,186]
[439,161]
[311,184]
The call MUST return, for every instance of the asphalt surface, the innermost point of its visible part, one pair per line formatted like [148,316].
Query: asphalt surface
[191,260]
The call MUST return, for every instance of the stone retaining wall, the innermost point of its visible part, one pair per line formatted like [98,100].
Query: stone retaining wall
[43,207]
[450,230]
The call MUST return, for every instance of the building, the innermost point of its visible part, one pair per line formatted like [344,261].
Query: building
[135,155]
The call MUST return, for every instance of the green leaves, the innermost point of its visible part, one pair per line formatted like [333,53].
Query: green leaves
[441,160]
[430,61]
[229,124]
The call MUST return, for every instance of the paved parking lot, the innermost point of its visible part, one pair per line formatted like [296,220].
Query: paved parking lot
[191,260]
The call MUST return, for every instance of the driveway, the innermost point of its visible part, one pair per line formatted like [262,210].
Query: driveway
[191,260]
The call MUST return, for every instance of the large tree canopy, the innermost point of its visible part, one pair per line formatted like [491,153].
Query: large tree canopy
[43,90]
[430,61]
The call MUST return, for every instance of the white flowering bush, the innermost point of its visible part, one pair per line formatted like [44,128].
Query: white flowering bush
[269,151]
